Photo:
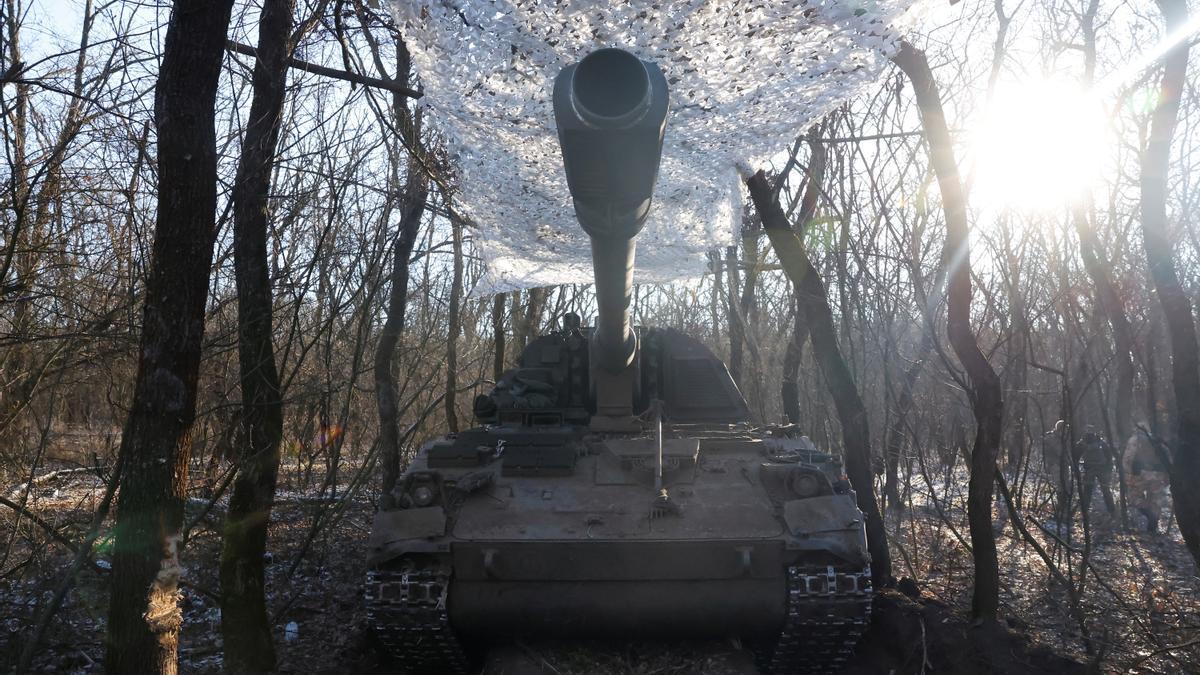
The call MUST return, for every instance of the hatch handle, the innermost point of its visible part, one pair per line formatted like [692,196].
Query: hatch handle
[745,559]
[489,563]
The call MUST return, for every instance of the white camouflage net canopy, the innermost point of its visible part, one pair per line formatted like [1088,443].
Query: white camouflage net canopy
[746,77]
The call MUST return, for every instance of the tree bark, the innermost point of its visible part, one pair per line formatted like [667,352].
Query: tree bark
[790,389]
[144,615]
[498,336]
[454,328]
[516,319]
[737,329]
[899,427]
[1110,300]
[245,626]
[17,185]
[533,315]
[1150,344]
[1017,428]
[412,208]
[525,318]
[714,266]
[748,310]
[811,294]
[984,388]
[1177,307]
[1114,310]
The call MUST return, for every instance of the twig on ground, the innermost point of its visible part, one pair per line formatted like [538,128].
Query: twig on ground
[82,556]
[1162,650]
[46,478]
[49,529]
[541,659]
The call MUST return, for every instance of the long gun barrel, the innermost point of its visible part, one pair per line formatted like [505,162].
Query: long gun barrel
[611,112]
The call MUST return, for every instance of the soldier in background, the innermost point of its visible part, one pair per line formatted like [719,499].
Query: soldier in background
[1099,460]
[1146,477]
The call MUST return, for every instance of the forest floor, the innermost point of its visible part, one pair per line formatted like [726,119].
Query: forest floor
[1140,602]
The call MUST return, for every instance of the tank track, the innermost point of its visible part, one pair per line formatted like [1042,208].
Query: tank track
[406,608]
[827,612]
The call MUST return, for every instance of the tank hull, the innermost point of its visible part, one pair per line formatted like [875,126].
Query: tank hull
[538,546]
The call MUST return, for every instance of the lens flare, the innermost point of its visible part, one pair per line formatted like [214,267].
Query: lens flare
[328,435]
[1039,146]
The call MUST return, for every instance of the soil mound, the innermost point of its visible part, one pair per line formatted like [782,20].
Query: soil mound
[914,635]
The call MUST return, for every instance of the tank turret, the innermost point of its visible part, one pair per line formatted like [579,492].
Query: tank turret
[611,113]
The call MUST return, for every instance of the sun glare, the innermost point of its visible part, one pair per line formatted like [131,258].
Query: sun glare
[1038,146]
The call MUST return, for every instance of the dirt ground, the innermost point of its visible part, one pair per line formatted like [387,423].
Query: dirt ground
[1141,604]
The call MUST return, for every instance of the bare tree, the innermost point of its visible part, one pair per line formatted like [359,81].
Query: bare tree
[412,202]
[734,318]
[498,336]
[984,386]
[1177,307]
[790,389]
[245,626]
[144,615]
[811,295]
[454,326]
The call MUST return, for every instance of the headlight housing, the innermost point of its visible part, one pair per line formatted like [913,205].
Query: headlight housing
[420,490]
[422,495]
[804,482]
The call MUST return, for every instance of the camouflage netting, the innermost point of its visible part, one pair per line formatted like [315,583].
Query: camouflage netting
[747,76]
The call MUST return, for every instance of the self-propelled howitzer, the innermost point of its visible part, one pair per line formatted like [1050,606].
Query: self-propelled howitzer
[614,486]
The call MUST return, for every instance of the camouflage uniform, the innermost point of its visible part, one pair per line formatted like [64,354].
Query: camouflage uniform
[1146,479]
[1098,463]
[1057,466]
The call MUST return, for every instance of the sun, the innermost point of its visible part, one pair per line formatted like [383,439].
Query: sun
[1038,146]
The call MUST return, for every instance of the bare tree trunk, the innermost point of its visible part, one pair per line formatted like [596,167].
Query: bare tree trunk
[18,182]
[526,318]
[412,208]
[1114,309]
[533,315]
[1150,359]
[454,328]
[898,430]
[984,386]
[737,330]
[1177,307]
[811,294]
[714,265]
[1017,429]
[245,626]
[790,389]
[498,336]
[1098,268]
[144,615]
[748,309]
[517,320]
